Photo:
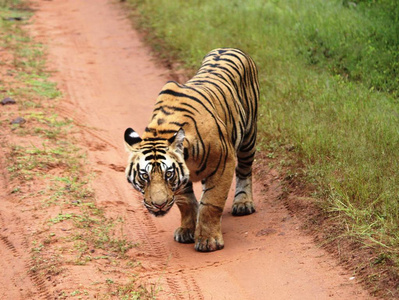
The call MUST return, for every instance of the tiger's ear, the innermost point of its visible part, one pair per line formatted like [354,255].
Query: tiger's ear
[176,141]
[131,138]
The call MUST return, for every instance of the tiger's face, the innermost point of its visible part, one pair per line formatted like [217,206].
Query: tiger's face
[156,168]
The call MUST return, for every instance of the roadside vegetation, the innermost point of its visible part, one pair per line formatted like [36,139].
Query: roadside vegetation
[329,113]
[47,178]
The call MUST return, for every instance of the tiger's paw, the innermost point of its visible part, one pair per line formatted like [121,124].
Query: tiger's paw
[208,244]
[184,235]
[243,208]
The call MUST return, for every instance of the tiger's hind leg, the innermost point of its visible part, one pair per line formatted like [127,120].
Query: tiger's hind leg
[188,207]
[243,202]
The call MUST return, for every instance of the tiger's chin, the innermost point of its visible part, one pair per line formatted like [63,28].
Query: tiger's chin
[159,213]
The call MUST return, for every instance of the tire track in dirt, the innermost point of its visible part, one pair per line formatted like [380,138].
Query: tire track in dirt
[40,285]
[9,245]
[174,281]
[111,84]
[19,264]
[16,264]
[180,285]
[8,255]
[146,230]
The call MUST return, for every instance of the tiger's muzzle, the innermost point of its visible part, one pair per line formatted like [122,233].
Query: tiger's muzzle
[158,197]
[159,209]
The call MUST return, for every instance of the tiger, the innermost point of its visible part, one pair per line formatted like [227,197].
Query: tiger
[204,130]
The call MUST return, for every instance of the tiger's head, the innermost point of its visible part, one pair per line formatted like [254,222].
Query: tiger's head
[156,168]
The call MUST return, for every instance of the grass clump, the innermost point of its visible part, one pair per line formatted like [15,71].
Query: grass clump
[329,87]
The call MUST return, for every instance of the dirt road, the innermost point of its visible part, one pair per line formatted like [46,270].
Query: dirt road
[110,82]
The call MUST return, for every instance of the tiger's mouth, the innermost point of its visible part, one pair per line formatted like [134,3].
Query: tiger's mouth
[159,210]
[159,213]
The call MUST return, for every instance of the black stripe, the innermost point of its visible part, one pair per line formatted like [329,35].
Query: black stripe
[226,104]
[164,131]
[176,94]
[173,108]
[204,160]
[243,175]
[147,151]
[198,135]
[178,124]
[249,145]
[154,139]
[189,105]
[207,189]
[214,206]
[186,154]
[250,156]
[239,193]
[129,172]
[155,157]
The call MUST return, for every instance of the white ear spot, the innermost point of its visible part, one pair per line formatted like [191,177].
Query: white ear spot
[131,137]
[134,135]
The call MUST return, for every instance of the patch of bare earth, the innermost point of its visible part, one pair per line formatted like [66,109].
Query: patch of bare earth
[375,271]
[110,82]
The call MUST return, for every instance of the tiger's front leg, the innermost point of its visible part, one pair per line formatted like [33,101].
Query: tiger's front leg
[188,207]
[208,232]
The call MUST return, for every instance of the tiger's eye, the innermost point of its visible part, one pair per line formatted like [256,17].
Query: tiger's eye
[144,176]
[168,174]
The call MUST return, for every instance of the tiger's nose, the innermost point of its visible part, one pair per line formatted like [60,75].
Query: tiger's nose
[159,206]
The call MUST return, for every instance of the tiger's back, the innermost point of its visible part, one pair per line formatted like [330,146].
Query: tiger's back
[214,116]
[219,102]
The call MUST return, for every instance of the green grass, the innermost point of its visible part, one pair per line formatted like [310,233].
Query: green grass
[329,93]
